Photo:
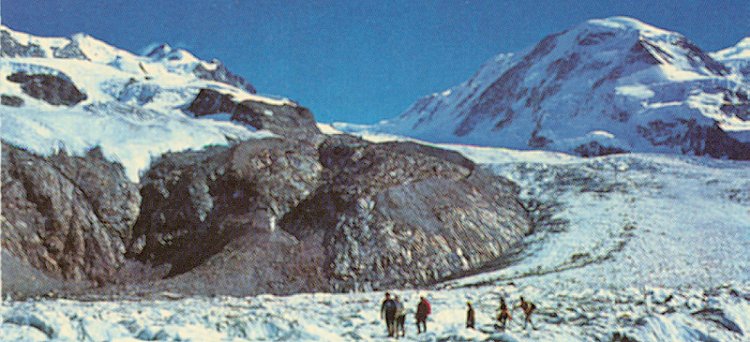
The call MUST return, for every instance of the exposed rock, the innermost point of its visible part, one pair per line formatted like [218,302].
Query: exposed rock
[593,149]
[288,120]
[11,101]
[405,218]
[9,47]
[695,139]
[223,75]
[20,279]
[283,217]
[54,89]
[71,50]
[67,216]
[194,203]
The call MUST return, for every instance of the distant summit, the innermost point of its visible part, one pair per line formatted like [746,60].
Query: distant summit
[604,86]
[84,47]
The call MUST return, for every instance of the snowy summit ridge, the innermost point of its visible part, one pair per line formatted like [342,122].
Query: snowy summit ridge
[604,86]
[78,93]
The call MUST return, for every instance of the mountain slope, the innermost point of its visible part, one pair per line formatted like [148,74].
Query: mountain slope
[604,86]
[77,93]
[736,57]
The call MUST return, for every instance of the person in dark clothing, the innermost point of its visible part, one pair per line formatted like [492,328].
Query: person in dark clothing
[400,318]
[388,311]
[470,316]
[527,308]
[423,310]
[503,314]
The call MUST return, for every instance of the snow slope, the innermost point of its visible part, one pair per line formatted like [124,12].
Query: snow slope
[133,107]
[644,246]
[606,85]
[736,57]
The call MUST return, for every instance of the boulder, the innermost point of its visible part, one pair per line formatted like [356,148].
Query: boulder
[288,120]
[11,100]
[53,89]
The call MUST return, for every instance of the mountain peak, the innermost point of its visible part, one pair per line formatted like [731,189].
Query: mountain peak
[741,50]
[604,86]
[159,50]
[623,23]
[166,52]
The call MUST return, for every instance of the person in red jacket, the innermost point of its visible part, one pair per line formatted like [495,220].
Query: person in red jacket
[423,310]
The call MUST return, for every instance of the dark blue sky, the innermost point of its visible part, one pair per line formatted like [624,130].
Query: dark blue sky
[358,61]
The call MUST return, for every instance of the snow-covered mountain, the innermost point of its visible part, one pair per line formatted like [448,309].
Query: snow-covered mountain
[604,86]
[736,57]
[642,247]
[78,93]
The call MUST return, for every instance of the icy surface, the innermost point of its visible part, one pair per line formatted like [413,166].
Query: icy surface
[649,247]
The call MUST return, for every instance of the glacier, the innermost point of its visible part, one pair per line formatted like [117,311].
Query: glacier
[649,247]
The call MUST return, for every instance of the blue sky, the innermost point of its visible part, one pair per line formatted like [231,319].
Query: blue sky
[358,61]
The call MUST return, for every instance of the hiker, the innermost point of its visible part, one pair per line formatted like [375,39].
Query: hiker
[470,316]
[400,318]
[503,315]
[528,309]
[388,311]
[423,310]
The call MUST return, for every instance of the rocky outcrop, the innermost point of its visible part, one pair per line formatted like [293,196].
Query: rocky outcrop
[194,203]
[53,89]
[221,74]
[395,215]
[289,120]
[283,217]
[695,139]
[593,149]
[11,100]
[67,216]
[10,47]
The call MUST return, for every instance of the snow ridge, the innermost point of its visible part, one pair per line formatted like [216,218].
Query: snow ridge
[133,107]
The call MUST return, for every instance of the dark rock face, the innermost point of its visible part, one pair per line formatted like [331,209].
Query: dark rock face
[71,50]
[55,90]
[288,120]
[277,216]
[405,218]
[67,216]
[194,203]
[11,101]
[9,47]
[695,139]
[593,149]
[223,75]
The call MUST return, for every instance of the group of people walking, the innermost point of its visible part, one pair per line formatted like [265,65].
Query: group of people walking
[504,316]
[394,313]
